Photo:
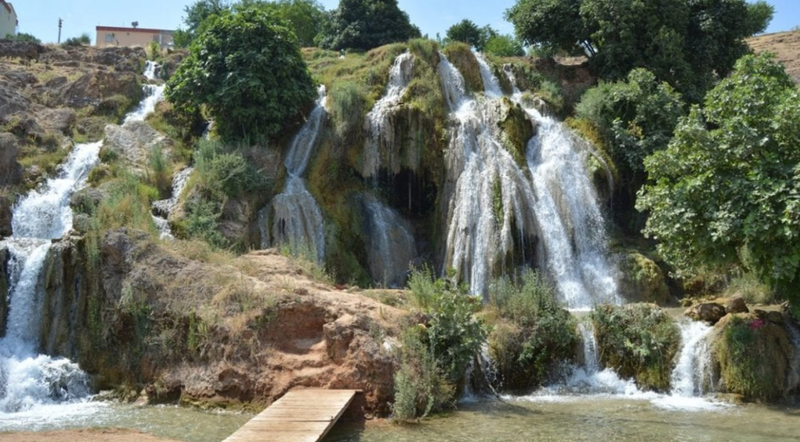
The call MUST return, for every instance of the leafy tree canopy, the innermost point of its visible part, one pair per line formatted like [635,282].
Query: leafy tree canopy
[636,118]
[727,189]
[468,32]
[365,24]
[688,43]
[504,46]
[246,67]
[196,14]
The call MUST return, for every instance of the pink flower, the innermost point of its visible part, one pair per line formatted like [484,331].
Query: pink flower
[755,325]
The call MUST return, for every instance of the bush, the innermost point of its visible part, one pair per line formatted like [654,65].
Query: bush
[504,46]
[127,204]
[201,223]
[638,341]
[225,174]
[83,40]
[437,349]
[348,106]
[246,68]
[365,24]
[160,170]
[23,37]
[536,334]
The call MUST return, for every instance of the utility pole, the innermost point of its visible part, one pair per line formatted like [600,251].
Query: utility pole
[59,29]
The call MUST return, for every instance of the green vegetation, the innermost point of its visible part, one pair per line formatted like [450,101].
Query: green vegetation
[534,332]
[196,14]
[638,341]
[365,24]
[83,40]
[725,191]
[504,46]
[246,68]
[461,56]
[750,353]
[348,106]
[689,44]
[438,345]
[23,37]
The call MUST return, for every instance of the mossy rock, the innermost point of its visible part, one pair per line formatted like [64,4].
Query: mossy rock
[642,280]
[461,56]
[639,341]
[752,356]
[4,286]
[517,131]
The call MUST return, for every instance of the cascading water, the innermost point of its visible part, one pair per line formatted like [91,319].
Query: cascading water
[691,372]
[28,379]
[293,217]
[153,94]
[568,212]
[491,194]
[377,121]
[390,247]
[163,208]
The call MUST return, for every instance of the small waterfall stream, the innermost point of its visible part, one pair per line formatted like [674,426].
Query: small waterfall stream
[163,208]
[390,244]
[378,119]
[294,217]
[152,93]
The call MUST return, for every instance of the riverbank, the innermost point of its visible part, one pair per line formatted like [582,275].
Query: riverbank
[90,435]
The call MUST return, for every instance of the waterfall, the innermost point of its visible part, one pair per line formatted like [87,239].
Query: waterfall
[294,217]
[390,243]
[490,193]
[29,379]
[569,215]
[694,361]
[378,119]
[153,94]
[163,208]
[491,83]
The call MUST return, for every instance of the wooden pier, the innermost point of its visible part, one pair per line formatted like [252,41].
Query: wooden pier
[299,416]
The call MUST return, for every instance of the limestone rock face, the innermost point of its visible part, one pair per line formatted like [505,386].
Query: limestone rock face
[709,312]
[10,169]
[133,141]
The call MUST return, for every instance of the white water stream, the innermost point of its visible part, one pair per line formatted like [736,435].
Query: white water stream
[378,121]
[153,94]
[163,208]
[390,245]
[33,384]
[294,217]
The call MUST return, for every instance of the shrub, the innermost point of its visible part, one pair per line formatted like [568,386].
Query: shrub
[160,170]
[127,204]
[23,37]
[504,46]
[225,174]
[438,349]
[83,40]
[201,223]
[365,24]
[536,334]
[639,341]
[348,106]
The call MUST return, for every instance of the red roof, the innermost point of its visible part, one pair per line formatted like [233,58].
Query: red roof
[144,30]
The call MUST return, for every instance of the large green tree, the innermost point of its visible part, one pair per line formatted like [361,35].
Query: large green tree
[245,66]
[727,189]
[196,14]
[688,43]
[305,16]
[366,24]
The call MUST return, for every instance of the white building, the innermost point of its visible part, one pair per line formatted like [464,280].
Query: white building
[8,19]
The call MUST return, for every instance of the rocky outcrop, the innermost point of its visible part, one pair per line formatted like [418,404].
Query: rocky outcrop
[5,216]
[736,305]
[10,169]
[133,141]
[756,355]
[5,282]
[642,279]
[207,334]
[709,312]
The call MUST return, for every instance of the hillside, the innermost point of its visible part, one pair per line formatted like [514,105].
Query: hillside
[785,45]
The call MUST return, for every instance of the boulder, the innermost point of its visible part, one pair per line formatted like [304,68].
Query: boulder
[736,305]
[19,49]
[10,169]
[58,120]
[709,312]
[642,279]
[133,141]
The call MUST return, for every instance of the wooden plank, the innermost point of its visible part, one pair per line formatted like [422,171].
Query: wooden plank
[303,415]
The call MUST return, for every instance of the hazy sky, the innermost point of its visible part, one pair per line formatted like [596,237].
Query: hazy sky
[40,17]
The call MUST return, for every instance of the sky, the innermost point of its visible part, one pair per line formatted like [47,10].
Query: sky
[40,17]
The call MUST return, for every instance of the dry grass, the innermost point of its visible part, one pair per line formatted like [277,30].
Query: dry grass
[785,46]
